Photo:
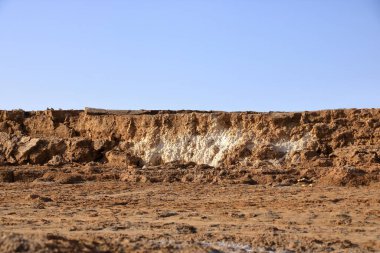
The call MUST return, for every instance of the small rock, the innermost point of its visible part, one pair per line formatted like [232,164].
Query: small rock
[70,179]
[25,146]
[305,180]
[248,180]
[40,198]
[222,173]
[39,205]
[167,214]
[93,169]
[7,176]
[237,215]
[56,160]
[186,229]
[187,178]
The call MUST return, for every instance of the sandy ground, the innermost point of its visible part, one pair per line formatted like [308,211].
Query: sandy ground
[115,216]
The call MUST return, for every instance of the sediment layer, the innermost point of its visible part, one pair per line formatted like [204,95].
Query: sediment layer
[332,146]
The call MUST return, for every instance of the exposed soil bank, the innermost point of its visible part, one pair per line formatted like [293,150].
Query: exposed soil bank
[331,147]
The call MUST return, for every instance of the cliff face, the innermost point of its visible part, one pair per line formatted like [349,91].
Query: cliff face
[347,139]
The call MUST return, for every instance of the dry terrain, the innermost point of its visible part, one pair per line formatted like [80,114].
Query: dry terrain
[189,181]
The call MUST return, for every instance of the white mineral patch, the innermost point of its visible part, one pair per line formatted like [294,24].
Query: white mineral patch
[289,146]
[206,149]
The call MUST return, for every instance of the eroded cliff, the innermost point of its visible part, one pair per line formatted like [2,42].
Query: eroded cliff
[323,146]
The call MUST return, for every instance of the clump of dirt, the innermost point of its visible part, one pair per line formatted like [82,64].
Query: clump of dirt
[349,176]
[7,176]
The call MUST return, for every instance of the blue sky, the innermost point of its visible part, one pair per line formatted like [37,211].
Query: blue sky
[190,54]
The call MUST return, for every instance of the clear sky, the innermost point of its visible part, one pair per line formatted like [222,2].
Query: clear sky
[190,54]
